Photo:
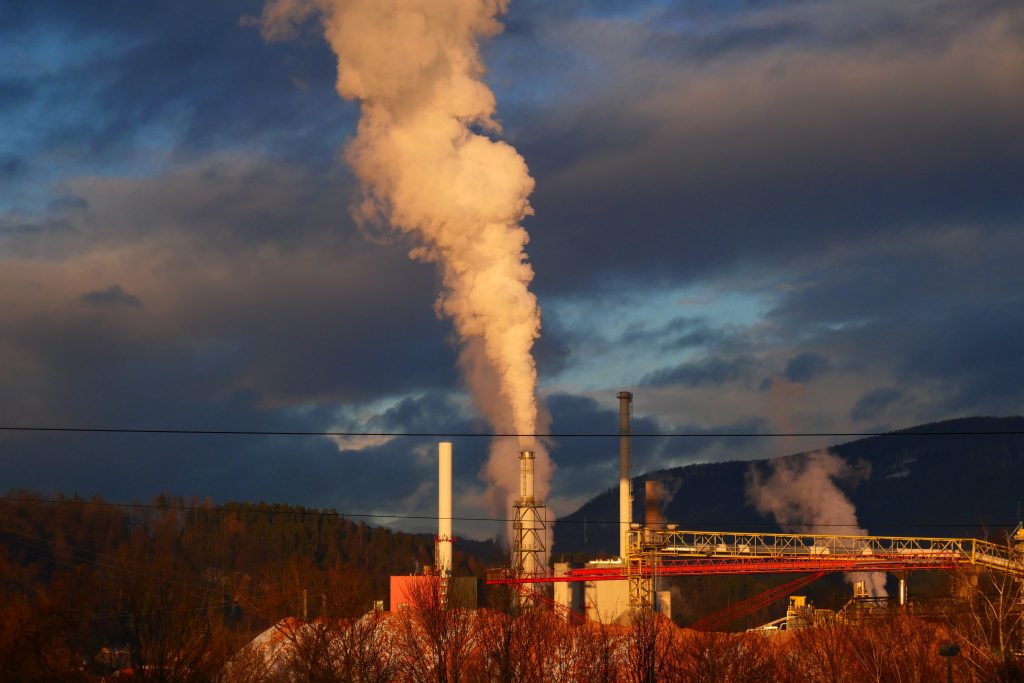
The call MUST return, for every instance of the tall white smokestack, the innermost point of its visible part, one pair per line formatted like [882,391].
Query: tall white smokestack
[444,508]
[625,489]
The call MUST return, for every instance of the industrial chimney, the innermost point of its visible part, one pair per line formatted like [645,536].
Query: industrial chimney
[653,502]
[625,487]
[444,508]
[529,544]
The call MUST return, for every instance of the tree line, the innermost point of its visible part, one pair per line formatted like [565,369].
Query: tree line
[511,642]
[177,590]
[181,584]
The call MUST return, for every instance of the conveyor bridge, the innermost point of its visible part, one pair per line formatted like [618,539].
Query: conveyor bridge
[671,552]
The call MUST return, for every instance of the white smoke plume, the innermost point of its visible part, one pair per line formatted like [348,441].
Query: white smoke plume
[430,170]
[802,491]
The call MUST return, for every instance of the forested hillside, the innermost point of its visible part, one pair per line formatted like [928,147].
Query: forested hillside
[80,575]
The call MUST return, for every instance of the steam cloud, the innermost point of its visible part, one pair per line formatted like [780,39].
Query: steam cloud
[802,491]
[429,172]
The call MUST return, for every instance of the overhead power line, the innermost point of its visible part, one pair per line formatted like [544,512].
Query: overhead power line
[223,510]
[488,435]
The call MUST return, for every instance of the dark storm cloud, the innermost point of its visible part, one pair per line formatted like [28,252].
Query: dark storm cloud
[722,30]
[910,274]
[240,267]
[261,309]
[871,405]
[104,81]
[14,227]
[436,416]
[111,296]
[702,438]
[591,463]
[856,164]
[306,470]
[67,203]
[677,334]
[431,412]
[552,352]
[708,371]
[678,173]
[11,166]
[731,40]
[805,367]
[960,364]
[940,314]
[977,349]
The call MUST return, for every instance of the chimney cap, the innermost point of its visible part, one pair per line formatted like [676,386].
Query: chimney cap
[625,394]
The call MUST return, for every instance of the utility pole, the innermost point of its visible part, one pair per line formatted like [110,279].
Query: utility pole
[949,650]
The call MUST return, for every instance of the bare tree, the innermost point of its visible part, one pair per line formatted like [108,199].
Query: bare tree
[435,640]
[514,647]
[368,649]
[170,618]
[872,654]
[327,650]
[989,627]
[824,652]
[582,653]
[709,657]
[598,650]
[650,642]
[900,648]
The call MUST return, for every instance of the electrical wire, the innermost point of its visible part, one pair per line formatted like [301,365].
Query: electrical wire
[487,435]
[161,610]
[222,510]
[115,571]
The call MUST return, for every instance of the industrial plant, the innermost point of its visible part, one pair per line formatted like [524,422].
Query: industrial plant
[614,590]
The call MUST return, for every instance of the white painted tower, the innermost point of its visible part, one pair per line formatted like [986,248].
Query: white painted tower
[625,485]
[444,509]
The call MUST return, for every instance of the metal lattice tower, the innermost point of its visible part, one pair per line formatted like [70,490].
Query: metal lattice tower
[529,525]
[529,546]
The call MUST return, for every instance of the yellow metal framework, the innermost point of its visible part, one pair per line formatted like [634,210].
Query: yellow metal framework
[649,549]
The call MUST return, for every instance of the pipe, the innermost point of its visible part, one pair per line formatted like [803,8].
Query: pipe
[625,488]
[444,508]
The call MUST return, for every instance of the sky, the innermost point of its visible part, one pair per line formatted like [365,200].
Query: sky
[776,216]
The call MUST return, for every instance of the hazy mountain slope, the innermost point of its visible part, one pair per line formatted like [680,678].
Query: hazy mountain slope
[919,485]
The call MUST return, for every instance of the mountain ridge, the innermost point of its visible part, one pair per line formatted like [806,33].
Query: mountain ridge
[920,484]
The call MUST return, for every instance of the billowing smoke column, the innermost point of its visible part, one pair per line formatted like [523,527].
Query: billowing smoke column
[426,172]
[802,491]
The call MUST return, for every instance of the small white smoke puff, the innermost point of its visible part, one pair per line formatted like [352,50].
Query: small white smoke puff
[801,491]
[428,172]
